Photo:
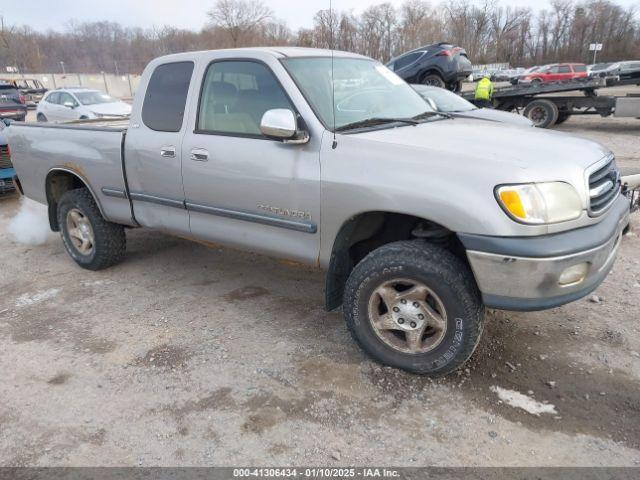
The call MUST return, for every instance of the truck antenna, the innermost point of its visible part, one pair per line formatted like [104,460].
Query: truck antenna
[333,84]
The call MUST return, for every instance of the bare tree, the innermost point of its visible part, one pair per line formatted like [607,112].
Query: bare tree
[239,18]
[488,31]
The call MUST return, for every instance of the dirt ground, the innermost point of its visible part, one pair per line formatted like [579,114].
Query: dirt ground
[186,355]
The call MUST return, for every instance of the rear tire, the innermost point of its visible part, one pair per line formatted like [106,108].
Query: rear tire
[415,306]
[434,80]
[89,239]
[41,118]
[543,113]
[455,87]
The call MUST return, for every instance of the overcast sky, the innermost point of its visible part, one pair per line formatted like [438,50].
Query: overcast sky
[45,14]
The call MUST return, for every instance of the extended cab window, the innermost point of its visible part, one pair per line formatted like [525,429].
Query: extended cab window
[166,97]
[235,95]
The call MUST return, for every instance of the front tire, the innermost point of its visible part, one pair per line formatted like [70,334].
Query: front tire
[414,306]
[89,239]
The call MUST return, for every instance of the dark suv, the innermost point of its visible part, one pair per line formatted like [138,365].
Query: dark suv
[440,65]
[12,103]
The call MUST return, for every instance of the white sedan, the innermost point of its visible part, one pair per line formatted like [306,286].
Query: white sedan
[443,100]
[68,104]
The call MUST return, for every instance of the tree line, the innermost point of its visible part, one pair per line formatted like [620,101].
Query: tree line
[489,31]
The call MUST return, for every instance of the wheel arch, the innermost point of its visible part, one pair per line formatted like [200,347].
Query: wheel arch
[366,231]
[60,180]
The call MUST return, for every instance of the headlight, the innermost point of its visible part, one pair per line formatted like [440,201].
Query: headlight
[540,203]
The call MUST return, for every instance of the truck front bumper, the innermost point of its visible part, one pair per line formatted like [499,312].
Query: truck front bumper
[536,273]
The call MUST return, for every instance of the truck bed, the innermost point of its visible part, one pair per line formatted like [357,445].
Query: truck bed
[90,151]
[97,124]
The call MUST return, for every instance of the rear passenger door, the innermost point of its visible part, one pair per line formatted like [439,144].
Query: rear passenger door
[153,149]
[243,189]
[564,73]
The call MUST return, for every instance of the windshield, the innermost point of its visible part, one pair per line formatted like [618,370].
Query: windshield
[445,100]
[600,66]
[94,98]
[364,89]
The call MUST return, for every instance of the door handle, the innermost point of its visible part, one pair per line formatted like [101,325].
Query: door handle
[168,152]
[199,155]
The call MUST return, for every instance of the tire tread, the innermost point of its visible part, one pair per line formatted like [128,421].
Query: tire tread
[435,259]
[110,238]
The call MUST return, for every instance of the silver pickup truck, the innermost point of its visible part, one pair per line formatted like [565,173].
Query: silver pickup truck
[420,220]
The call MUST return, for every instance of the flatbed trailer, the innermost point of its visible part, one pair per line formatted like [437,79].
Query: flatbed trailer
[545,106]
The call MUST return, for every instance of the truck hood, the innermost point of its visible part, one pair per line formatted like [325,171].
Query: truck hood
[114,108]
[494,145]
[495,116]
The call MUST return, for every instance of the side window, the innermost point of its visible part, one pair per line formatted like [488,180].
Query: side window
[407,60]
[65,98]
[53,98]
[235,95]
[166,97]
[580,68]
[553,70]
[564,69]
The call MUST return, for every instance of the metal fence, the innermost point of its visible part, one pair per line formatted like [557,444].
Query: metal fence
[120,86]
[491,67]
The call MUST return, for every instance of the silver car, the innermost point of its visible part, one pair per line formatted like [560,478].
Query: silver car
[445,101]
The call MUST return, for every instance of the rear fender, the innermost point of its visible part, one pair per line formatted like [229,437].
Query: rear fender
[59,180]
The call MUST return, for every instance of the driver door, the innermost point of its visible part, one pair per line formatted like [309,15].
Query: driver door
[243,189]
[65,113]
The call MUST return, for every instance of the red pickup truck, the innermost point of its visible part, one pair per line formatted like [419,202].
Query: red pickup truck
[556,72]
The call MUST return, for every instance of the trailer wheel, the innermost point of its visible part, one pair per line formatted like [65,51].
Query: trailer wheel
[543,113]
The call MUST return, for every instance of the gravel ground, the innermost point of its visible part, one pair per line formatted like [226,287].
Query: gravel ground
[188,355]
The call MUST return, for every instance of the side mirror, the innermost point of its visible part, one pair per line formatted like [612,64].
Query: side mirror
[281,124]
[69,105]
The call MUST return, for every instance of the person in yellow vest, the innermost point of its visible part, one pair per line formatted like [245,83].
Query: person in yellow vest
[484,92]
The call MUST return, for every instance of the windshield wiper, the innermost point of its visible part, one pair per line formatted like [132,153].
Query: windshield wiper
[370,122]
[430,113]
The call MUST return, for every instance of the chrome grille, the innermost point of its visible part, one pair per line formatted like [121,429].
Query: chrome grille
[5,159]
[604,185]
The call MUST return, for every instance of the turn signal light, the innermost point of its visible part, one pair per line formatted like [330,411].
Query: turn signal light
[511,201]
